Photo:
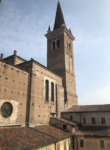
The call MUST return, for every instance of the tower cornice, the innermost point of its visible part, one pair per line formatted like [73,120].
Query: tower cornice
[59,31]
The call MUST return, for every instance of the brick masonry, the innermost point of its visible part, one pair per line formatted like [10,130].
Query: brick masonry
[61,61]
[13,89]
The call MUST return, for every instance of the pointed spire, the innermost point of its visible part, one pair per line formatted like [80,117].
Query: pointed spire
[59,19]
[49,30]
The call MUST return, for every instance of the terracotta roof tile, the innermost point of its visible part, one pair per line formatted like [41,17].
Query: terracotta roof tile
[21,138]
[65,121]
[88,108]
[53,131]
[101,131]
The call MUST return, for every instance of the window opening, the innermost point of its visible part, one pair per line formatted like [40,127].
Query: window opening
[71,118]
[81,143]
[47,90]
[69,46]
[6,109]
[64,126]
[103,120]
[52,92]
[53,45]
[58,43]
[93,120]
[102,144]
[84,120]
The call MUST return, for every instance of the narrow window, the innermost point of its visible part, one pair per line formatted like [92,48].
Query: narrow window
[103,120]
[46,90]
[64,145]
[58,43]
[93,120]
[101,144]
[81,142]
[58,146]
[69,46]
[71,118]
[52,92]
[53,45]
[64,126]
[84,120]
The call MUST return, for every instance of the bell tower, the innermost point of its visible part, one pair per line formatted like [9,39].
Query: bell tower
[60,57]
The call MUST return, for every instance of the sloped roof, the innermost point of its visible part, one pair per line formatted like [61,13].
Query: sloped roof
[53,131]
[65,121]
[21,138]
[59,19]
[98,131]
[88,108]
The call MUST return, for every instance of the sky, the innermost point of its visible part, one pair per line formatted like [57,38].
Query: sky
[24,23]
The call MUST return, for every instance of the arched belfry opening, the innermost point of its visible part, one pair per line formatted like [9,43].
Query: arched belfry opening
[58,43]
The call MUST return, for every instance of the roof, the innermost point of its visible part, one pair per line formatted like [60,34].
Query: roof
[14,65]
[59,19]
[65,121]
[88,108]
[98,131]
[31,61]
[16,56]
[21,138]
[53,131]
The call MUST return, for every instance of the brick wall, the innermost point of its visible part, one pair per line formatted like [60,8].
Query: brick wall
[13,89]
[40,109]
[61,61]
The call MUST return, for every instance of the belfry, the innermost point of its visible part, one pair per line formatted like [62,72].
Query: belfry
[60,56]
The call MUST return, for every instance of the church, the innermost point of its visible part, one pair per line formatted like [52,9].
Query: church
[39,105]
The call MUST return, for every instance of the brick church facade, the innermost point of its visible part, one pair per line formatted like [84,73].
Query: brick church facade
[39,105]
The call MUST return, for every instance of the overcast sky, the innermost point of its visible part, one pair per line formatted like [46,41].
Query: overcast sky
[23,24]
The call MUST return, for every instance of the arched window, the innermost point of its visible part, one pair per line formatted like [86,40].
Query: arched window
[47,90]
[58,43]
[52,92]
[69,46]
[53,45]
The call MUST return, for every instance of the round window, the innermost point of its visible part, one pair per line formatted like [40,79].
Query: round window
[6,109]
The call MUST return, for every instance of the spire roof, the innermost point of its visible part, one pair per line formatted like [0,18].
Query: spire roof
[59,19]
